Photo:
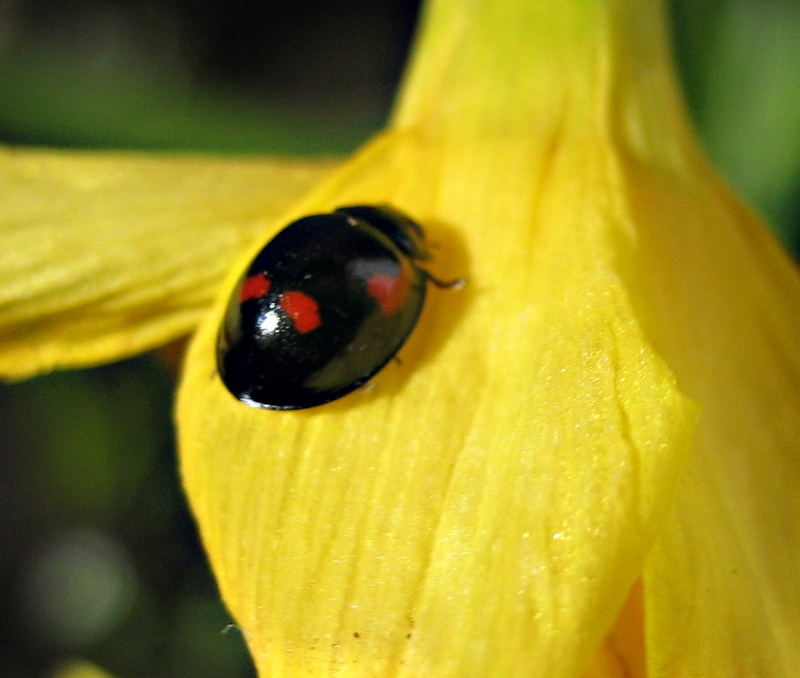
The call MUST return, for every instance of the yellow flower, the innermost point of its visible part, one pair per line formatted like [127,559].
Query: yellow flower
[587,458]
[80,669]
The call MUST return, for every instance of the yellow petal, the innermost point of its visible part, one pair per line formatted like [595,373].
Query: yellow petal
[485,508]
[721,584]
[485,499]
[80,669]
[106,255]
[721,302]
[622,654]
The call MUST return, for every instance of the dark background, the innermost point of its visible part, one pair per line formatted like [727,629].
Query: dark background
[98,557]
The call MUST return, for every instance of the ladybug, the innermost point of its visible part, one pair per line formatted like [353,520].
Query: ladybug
[323,307]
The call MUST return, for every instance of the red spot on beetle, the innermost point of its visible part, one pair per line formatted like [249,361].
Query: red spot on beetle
[302,309]
[254,287]
[389,292]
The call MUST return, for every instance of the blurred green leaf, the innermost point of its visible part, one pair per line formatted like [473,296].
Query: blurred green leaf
[92,436]
[740,60]
[51,100]
[78,588]
[751,115]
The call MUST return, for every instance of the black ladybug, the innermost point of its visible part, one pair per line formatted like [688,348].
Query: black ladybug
[324,306]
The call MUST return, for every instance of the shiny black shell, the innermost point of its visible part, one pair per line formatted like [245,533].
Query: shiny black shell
[324,306]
